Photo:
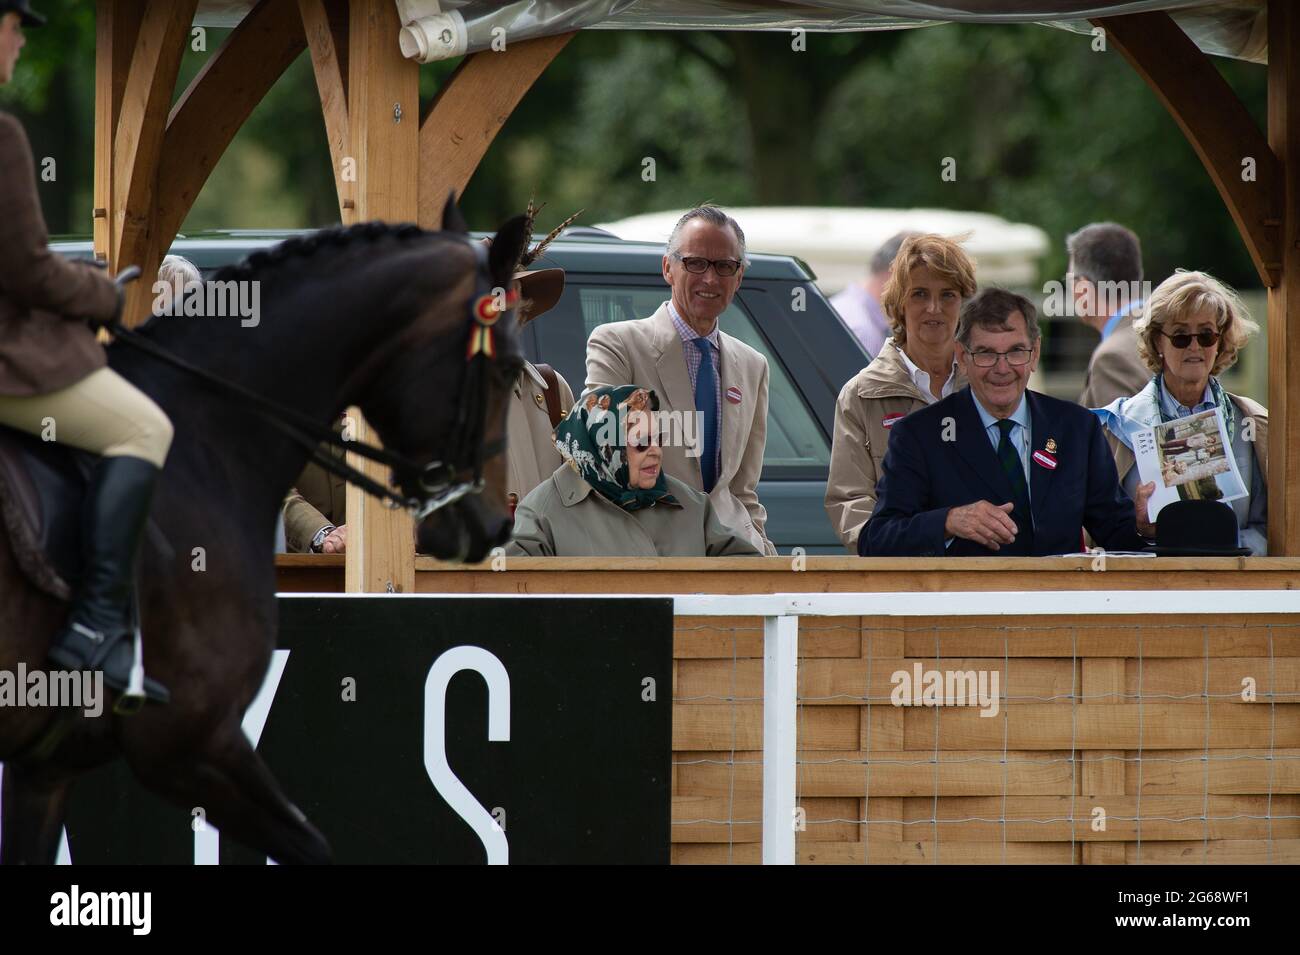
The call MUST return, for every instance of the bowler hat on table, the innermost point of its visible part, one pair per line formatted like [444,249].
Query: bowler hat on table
[1197,528]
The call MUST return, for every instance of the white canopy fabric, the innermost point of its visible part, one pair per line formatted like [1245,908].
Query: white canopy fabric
[1233,28]
[837,243]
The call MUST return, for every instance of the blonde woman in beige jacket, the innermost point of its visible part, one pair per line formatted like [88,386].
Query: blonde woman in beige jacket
[932,276]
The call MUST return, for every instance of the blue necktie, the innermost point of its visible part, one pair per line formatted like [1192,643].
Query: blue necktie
[706,402]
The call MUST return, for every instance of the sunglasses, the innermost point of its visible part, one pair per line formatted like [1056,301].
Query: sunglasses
[699,265]
[644,444]
[1182,340]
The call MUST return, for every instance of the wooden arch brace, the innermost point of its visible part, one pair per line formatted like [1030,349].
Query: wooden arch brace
[137,136]
[218,102]
[326,26]
[1216,124]
[149,201]
[469,111]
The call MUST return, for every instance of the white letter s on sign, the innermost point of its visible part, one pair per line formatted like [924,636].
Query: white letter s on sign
[445,781]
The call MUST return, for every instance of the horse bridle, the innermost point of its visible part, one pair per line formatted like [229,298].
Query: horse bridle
[439,482]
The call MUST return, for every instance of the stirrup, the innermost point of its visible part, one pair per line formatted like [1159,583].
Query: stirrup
[125,676]
[135,689]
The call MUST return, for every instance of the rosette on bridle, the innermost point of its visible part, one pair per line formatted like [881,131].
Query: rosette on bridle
[487,309]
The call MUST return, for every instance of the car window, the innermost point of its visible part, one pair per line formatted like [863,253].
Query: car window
[793,436]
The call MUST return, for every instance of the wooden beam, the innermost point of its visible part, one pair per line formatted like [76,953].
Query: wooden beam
[117,25]
[383,111]
[1215,122]
[217,103]
[138,141]
[1284,297]
[469,111]
[326,26]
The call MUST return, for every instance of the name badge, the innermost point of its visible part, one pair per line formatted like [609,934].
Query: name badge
[1046,460]
[888,420]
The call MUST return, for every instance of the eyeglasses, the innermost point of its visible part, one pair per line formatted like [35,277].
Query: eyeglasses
[699,265]
[1182,340]
[1016,357]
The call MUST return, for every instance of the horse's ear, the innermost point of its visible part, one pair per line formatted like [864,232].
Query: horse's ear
[507,245]
[452,220]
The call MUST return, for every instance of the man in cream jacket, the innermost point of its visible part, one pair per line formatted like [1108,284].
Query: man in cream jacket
[698,370]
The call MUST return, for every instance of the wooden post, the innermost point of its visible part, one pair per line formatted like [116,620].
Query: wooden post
[117,24]
[383,119]
[1284,298]
[390,165]
[1259,187]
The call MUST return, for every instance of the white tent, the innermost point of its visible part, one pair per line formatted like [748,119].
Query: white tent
[439,29]
[838,243]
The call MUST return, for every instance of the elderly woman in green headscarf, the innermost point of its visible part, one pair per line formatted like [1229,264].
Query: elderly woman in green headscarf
[611,498]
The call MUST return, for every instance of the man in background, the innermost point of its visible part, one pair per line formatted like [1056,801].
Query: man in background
[859,304]
[1106,270]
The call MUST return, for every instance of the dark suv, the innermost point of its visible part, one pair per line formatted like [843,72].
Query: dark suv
[778,311]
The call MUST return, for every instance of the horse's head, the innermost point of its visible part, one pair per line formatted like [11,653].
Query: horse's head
[441,399]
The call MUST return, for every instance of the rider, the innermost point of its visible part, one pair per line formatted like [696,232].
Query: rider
[55,383]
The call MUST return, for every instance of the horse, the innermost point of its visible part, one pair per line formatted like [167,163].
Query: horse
[377,316]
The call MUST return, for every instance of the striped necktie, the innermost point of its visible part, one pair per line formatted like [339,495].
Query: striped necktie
[1014,468]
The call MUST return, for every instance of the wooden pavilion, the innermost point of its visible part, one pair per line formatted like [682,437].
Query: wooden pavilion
[406,159]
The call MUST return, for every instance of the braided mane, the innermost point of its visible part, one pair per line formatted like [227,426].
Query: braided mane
[305,246]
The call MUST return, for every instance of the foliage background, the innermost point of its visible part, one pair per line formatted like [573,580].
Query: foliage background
[1043,129]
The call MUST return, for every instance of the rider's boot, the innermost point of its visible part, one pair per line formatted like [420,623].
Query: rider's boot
[99,634]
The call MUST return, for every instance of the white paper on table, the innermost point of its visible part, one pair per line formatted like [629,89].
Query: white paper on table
[1188,458]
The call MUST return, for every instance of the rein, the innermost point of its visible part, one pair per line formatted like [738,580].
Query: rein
[437,480]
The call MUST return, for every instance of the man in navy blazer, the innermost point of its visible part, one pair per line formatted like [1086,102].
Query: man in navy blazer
[994,468]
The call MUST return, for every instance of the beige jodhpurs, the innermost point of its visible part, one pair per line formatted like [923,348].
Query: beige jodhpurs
[103,413]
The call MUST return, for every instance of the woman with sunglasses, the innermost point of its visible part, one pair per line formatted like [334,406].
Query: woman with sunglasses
[611,498]
[1192,329]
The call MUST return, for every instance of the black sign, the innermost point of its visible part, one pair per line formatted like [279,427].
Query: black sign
[435,730]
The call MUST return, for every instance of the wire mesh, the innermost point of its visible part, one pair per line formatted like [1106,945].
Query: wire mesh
[1139,741]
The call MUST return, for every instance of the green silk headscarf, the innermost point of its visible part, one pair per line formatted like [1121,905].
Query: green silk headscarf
[592,439]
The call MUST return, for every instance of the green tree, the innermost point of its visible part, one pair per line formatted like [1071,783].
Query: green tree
[1043,130]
